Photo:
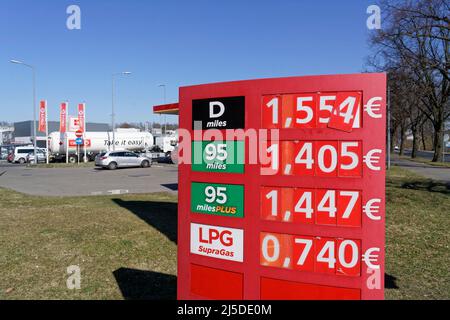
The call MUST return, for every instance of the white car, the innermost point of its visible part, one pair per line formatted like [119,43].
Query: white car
[20,153]
[120,159]
[41,156]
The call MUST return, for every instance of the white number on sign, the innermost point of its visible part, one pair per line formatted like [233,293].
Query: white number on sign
[349,105]
[308,110]
[216,194]
[352,155]
[327,254]
[308,245]
[214,151]
[354,195]
[354,257]
[304,204]
[326,103]
[330,198]
[273,150]
[274,105]
[270,241]
[305,155]
[273,195]
[321,158]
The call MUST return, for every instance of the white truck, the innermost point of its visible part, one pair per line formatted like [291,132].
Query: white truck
[62,145]
[166,143]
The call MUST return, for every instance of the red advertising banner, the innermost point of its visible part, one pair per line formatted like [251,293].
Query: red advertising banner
[42,116]
[81,116]
[63,117]
[304,221]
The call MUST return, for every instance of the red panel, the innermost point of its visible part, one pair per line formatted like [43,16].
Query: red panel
[365,223]
[273,289]
[287,204]
[344,112]
[218,284]
[325,106]
[303,158]
[174,107]
[288,111]
[276,250]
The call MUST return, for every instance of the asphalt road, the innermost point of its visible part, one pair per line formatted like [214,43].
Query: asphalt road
[425,170]
[425,154]
[88,181]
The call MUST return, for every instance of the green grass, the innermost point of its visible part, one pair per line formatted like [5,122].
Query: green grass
[126,245]
[417,237]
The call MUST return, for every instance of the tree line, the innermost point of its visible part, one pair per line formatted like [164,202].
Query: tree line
[412,47]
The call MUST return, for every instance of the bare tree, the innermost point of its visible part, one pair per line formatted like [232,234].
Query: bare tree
[415,39]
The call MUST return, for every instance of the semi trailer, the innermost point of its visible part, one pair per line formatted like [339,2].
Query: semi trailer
[64,145]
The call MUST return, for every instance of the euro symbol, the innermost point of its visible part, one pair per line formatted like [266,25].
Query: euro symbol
[371,159]
[373,107]
[369,257]
[372,206]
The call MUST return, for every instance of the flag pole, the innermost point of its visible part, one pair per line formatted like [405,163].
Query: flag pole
[84,132]
[46,131]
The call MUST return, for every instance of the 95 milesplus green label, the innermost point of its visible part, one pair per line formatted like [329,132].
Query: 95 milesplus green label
[218,156]
[218,199]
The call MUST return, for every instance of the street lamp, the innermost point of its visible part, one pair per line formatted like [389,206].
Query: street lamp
[164,96]
[112,105]
[34,103]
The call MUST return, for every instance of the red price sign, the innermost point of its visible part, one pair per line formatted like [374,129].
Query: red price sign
[318,158]
[312,206]
[340,111]
[312,254]
[312,192]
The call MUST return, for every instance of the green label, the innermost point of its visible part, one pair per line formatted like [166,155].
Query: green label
[218,156]
[218,199]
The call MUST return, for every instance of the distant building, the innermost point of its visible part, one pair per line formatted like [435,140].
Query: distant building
[6,135]
[23,131]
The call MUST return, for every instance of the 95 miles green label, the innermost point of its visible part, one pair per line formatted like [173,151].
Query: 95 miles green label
[218,199]
[218,156]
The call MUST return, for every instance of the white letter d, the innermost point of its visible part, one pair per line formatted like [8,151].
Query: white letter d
[211,109]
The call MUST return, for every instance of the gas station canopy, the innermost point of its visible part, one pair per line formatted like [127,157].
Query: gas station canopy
[171,108]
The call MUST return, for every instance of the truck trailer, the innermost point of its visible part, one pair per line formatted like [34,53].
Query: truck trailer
[63,145]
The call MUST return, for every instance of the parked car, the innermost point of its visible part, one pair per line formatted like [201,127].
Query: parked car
[20,153]
[121,159]
[41,156]
[3,154]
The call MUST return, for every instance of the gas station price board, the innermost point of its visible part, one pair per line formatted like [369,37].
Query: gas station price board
[306,220]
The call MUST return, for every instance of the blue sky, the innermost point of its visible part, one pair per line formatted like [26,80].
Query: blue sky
[167,42]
